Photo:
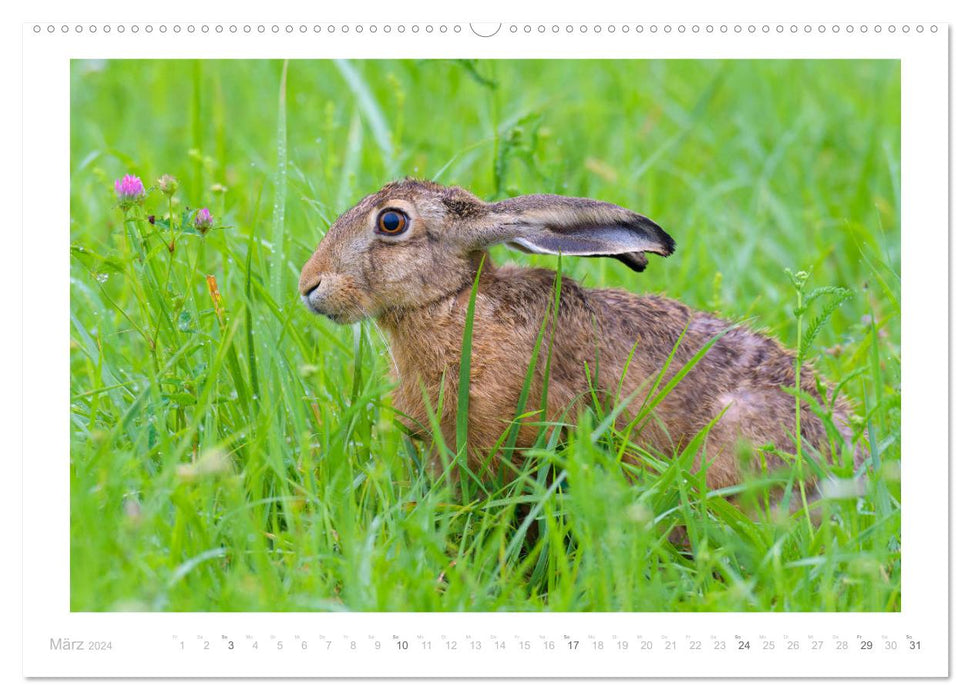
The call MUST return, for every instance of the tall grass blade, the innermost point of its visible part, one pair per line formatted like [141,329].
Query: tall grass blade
[280,191]
[465,375]
[372,112]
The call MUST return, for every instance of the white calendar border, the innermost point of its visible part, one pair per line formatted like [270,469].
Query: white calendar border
[144,642]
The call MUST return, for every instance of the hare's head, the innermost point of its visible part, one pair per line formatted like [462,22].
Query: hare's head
[416,242]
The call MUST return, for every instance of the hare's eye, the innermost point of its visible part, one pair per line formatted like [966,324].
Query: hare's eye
[392,222]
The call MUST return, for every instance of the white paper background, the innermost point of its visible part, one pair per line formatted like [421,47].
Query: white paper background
[924,211]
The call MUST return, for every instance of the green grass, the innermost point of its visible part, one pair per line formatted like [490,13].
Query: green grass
[248,458]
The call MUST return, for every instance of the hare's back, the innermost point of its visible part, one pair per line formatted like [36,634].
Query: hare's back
[657,328]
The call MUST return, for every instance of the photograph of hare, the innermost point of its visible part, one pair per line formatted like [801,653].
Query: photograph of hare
[485,336]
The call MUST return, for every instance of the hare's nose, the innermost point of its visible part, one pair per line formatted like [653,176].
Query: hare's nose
[308,286]
[312,273]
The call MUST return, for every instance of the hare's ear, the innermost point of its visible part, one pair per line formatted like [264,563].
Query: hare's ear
[546,223]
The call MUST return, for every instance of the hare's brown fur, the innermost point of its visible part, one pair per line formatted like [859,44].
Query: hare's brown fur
[418,290]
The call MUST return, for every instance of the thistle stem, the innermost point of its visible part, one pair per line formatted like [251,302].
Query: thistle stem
[800,467]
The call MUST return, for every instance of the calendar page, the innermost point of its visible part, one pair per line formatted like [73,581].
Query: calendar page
[434,348]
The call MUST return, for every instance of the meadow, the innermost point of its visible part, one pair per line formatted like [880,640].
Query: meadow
[232,452]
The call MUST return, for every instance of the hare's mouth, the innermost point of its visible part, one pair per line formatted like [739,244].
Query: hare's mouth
[335,297]
[314,305]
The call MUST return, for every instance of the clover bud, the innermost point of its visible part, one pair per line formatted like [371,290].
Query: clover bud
[203,221]
[167,185]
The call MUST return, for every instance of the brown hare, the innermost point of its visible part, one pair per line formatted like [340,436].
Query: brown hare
[407,256]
